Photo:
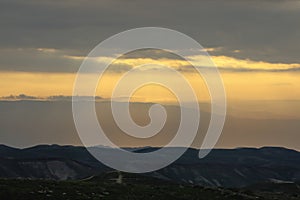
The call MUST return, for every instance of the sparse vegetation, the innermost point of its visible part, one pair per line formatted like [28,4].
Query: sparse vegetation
[133,187]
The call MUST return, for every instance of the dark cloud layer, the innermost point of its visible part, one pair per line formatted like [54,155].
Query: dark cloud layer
[261,30]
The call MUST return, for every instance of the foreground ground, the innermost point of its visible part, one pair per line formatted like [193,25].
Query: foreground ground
[133,187]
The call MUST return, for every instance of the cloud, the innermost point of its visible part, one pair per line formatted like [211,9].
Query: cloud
[24,97]
[36,60]
[48,30]
[234,64]
[55,60]
[69,98]
[225,63]
[19,97]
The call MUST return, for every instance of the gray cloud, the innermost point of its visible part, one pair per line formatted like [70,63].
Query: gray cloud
[36,60]
[19,97]
[24,97]
[260,30]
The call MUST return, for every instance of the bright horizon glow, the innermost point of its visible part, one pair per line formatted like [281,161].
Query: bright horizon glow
[239,86]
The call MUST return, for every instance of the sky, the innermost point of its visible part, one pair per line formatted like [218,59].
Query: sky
[255,44]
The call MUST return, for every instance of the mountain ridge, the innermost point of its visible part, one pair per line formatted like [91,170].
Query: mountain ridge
[237,167]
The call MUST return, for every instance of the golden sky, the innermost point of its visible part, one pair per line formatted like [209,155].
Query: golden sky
[243,80]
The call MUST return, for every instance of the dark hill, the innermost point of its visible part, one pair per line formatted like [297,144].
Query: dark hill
[221,168]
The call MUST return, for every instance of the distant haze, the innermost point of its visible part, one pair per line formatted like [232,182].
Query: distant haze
[27,123]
